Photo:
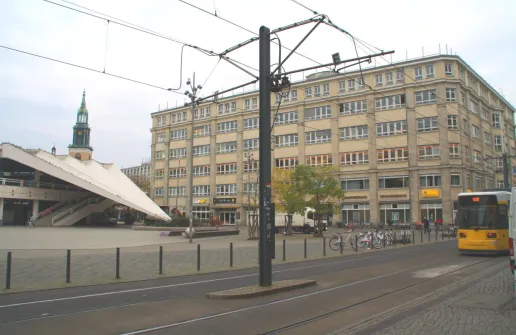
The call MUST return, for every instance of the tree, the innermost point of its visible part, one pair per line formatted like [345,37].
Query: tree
[286,195]
[142,182]
[321,191]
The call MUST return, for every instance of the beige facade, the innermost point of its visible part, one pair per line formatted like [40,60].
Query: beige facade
[404,144]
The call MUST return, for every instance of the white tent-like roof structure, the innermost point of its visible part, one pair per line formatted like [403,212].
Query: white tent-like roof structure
[105,180]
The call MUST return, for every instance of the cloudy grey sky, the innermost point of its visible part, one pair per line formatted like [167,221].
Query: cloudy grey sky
[39,98]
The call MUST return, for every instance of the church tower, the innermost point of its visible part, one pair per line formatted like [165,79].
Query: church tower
[80,147]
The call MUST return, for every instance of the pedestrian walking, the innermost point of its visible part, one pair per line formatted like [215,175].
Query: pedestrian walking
[426,225]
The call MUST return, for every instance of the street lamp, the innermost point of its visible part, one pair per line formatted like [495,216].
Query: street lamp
[193,102]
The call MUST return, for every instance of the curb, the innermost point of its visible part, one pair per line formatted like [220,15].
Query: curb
[258,291]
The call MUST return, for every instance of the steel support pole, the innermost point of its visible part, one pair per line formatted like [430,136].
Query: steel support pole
[505,171]
[265,158]
[190,167]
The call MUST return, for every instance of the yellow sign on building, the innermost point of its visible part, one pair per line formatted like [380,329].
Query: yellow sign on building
[430,193]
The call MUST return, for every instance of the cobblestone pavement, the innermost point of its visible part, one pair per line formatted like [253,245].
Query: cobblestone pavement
[38,269]
[447,318]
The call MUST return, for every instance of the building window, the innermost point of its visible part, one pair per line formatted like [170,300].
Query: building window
[202,113]
[318,136]
[326,89]
[355,157]
[177,153]
[178,117]
[226,189]
[485,114]
[473,107]
[287,117]
[226,147]
[389,78]
[318,113]
[475,131]
[177,173]
[418,73]
[378,79]
[427,124]
[400,77]
[317,90]
[392,155]
[342,86]
[391,128]
[287,140]
[160,155]
[426,97]
[353,132]
[465,124]
[351,84]
[226,127]
[227,108]
[430,180]
[355,184]
[227,168]
[179,134]
[451,95]
[159,191]
[161,137]
[463,98]
[478,183]
[251,144]
[201,150]
[393,182]
[308,92]
[247,104]
[251,188]
[390,102]
[356,213]
[201,190]
[162,120]
[500,184]
[454,150]
[319,160]
[455,180]
[429,151]
[496,120]
[476,156]
[251,166]
[293,96]
[498,143]
[453,123]
[202,130]
[286,163]
[201,170]
[430,73]
[353,107]
[252,123]
[159,174]
[177,191]
[448,69]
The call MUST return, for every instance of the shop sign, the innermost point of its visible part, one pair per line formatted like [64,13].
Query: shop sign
[201,201]
[224,200]
[430,193]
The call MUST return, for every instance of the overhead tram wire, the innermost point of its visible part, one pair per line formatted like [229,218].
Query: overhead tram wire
[89,69]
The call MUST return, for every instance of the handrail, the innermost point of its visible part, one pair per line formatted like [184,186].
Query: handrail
[49,210]
[36,184]
[72,209]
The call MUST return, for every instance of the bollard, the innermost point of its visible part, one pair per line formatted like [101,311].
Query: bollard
[284,250]
[394,238]
[436,234]
[198,257]
[324,245]
[117,265]
[421,232]
[231,254]
[429,233]
[8,271]
[442,234]
[384,238]
[341,247]
[160,260]
[356,243]
[68,265]
[413,237]
[305,248]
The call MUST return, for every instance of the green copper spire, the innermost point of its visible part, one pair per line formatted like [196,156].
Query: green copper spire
[82,113]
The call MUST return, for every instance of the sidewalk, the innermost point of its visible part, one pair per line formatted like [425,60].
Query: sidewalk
[464,314]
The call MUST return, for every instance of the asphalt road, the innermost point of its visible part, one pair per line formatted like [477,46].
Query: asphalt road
[349,289]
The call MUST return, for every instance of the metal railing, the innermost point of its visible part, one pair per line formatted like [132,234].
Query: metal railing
[77,207]
[36,184]
[49,210]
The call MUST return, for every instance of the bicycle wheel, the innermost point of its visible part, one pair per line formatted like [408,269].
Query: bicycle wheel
[377,242]
[334,243]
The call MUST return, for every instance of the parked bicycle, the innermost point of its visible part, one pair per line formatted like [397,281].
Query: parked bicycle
[336,240]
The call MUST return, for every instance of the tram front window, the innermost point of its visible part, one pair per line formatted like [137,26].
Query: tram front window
[477,217]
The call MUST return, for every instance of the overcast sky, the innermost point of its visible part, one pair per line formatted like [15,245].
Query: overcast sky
[39,98]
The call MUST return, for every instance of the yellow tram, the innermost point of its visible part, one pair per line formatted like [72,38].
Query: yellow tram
[483,220]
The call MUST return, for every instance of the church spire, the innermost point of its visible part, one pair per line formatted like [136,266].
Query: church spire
[80,147]
[82,113]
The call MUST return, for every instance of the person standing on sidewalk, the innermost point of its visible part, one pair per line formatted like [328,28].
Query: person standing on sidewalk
[426,225]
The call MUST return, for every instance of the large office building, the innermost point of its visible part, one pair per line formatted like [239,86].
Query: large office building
[404,139]
[143,171]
